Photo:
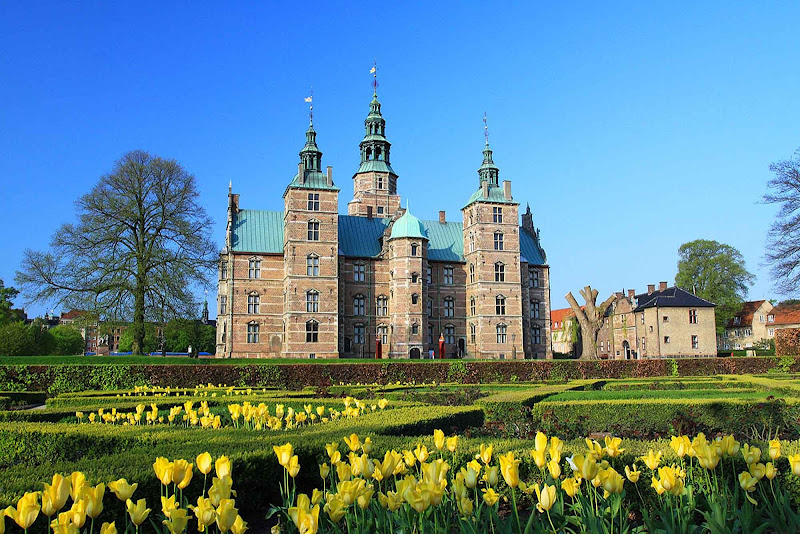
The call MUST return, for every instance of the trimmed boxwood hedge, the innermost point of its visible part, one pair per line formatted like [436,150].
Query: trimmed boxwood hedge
[62,378]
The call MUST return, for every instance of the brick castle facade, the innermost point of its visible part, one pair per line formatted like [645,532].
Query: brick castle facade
[307,282]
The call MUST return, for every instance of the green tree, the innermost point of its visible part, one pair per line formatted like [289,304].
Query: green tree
[716,272]
[179,334]
[16,339]
[66,341]
[7,294]
[149,344]
[141,242]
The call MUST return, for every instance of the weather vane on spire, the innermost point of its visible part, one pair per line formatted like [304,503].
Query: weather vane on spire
[374,72]
[485,128]
[310,100]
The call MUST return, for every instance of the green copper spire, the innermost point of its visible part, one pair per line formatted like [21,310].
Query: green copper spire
[374,147]
[488,171]
[311,156]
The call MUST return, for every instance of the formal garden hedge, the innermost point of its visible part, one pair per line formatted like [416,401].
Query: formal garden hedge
[62,378]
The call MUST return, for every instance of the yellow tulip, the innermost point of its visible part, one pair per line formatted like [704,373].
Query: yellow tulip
[366,446]
[612,446]
[163,469]
[556,447]
[546,497]
[452,443]
[571,486]
[226,514]
[26,512]
[750,454]
[681,445]
[555,468]
[353,442]
[540,442]
[122,489]
[324,470]
[177,521]
[294,466]
[108,528]
[168,505]
[747,482]
[490,496]
[77,513]
[486,454]
[336,508]
[491,475]
[58,526]
[364,497]
[539,457]
[794,463]
[769,471]
[57,493]
[94,500]
[589,468]
[632,473]
[509,467]
[77,482]
[438,439]
[652,460]
[421,452]
[239,525]
[220,489]
[203,462]
[757,471]
[465,506]
[182,473]
[706,456]
[409,458]
[331,448]
[595,449]
[284,453]
[223,467]
[656,484]
[730,446]
[775,449]
[204,512]
[138,512]
[611,480]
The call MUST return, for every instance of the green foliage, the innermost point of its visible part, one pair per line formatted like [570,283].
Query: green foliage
[179,334]
[716,272]
[151,341]
[17,339]
[674,370]
[7,294]
[66,341]
[457,370]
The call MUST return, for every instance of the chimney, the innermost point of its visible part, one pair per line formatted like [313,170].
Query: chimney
[631,293]
[618,294]
[369,212]
[330,175]
[441,217]
[651,288]
[662,286]
[485,189]
[507,189]
[301,173]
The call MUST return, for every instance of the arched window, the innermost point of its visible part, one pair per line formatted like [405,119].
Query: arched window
[312,301]
[498,240]
[414,247]
[253,302]
[501,333]
[471,239]
[313,230]
[312,331]
[359,305]
[414,278]
[414,298]
[383,305]
[472,306]
[471,273]
[499,272]
[473,333]
[414,329]
[500,305]
[449,307]
[312,265]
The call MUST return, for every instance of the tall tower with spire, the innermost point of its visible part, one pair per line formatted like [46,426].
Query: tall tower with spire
[375,182]
[310,258]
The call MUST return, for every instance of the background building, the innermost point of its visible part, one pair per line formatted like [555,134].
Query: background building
[754,322]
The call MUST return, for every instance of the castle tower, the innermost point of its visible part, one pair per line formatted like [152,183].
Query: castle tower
[375,182]
[408,249]
[492,254]
[310,251]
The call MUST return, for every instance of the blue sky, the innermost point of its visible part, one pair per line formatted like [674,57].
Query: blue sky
[630,128]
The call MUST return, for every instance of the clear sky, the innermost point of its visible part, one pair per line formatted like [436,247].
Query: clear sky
[630,128]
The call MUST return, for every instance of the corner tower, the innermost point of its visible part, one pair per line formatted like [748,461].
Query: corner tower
[492,253]
[375,182]
[310,258]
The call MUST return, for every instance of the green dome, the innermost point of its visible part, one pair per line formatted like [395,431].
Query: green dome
[408,226]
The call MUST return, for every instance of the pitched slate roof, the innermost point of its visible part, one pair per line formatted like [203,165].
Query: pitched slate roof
[261,231]
[672,297]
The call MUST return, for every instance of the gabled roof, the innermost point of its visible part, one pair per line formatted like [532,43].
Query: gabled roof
[745,314]
[73,314]
[672,297]
[259,231]
[786,314]
[558,316]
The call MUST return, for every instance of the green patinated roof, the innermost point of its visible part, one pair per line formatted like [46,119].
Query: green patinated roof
[314,180]
[408,226]
[496,196]
[359,237]
[376,166]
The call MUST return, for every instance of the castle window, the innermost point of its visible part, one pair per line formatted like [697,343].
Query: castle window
[448,276]
[224,335]
[473,333]
[383,305]
[252,332]
[472,306]
[359,270]
[380,184]
[537,335]
[471,242]
[414,278]
[253,301]
[497,214]
[470,217]
[312,265]
[414,298]
[471,273]
[254,269]
[223,305]
[430,335]
[501,333]
[312,331]
[536,311]
[358,334]
[695,342]
[313,230]
[414,248]
[430,307]
[312,301]
[693,316]
[223,272]
[429,275]
[380,210]
[533,278]
[449,307]
[449,334]
[498,240]
[359,305]
[499,272]
[313,202]
[414,329]
[383,334]
[500,305]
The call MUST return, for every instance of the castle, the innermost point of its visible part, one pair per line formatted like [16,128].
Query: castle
[307,282]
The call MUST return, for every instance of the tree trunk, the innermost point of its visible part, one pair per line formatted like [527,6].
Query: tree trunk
[590,319]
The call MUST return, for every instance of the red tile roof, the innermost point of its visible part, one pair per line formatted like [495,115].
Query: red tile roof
[73,314]
[786,314]
[557,317]
[745,315]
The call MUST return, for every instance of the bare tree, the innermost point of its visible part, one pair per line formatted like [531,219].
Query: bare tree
[142,241]
[783,239]
[590,317]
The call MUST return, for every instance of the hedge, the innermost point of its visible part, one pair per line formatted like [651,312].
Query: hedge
[62,378]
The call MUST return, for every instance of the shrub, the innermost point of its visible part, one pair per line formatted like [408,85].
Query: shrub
[16,339]
[66,341]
